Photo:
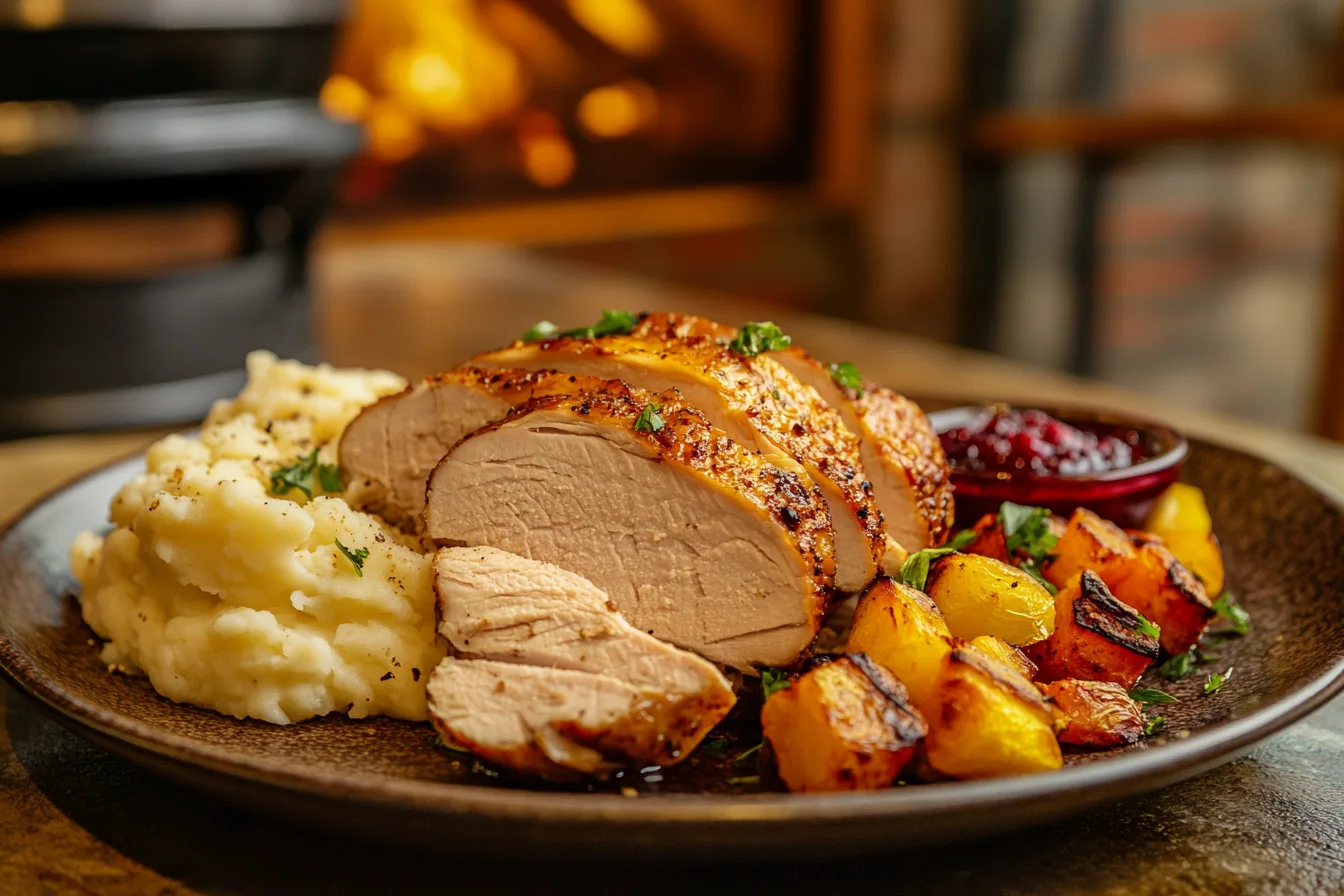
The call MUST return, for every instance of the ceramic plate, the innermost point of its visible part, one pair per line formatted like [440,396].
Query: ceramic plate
[1284,541]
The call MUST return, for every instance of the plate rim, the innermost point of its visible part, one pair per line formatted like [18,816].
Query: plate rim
[1090,783]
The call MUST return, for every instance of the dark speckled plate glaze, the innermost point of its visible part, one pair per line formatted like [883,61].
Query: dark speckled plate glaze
[384,779]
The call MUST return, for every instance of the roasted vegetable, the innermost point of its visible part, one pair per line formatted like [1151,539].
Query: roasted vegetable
[1094,713]
[844,725]
[1146,576]
[1006,654]
[989,540]
[901,629]
[1156,584]
[1089,542]
[1096,637]
[1181,519]
[983,596]
[987,721]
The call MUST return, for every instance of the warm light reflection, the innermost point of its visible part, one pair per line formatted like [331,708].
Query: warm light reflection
[618,110]
[626,25]
[547,156]
[393,134]
[344,98]
[41,13]
[18,128]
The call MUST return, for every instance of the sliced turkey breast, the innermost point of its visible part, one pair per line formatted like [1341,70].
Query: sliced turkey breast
[901,453]
[754,400]
[386,452]
[697,540]
[499,606]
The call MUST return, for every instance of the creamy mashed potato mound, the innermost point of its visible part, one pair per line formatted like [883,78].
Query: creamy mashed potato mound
[232,598]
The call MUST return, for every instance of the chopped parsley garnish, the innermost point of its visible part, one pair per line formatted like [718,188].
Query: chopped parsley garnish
[1027,536]
[1216,681]
[847,375]
[1147,627]
[1155,725]
[748,752]
[778,397]
[755,338]
[961,539]
[357,557]
[303,475]
[1146,696]
[773,680]
[1179,666]
[648,420]
[613,323]
[1230,610]
[746,779]
[915,570]
[716,746]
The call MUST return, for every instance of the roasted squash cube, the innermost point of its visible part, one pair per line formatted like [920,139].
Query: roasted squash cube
[989,540]
[1181,518]
[1094,713]
[1088,542]
[901,629]
[1007,654]
[1096,637]
[844,725]
[1159,586]
[986,721]
[983,596]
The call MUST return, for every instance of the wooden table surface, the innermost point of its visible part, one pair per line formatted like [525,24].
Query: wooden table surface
[73,819]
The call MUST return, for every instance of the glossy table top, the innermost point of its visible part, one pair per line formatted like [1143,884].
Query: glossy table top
[73,819]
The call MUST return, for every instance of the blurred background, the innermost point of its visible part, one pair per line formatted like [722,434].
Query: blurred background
[1142,191]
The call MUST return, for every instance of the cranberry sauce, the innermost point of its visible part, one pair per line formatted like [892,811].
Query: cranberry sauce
[1009,440]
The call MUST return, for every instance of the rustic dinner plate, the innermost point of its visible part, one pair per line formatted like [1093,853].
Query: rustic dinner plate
[1284,541]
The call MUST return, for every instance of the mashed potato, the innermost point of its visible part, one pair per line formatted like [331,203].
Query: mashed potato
[232,598]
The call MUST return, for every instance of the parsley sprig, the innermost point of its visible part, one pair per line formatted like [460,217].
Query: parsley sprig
[1155,725]
[915,570]
[649,420]
[961,539]
[613,323]
[1216,680]
[1234,613]
[1147,627]
[1027,536]
[1150,696]
[847,375]
[757,337]
[773,680]
[304,474]
[357,557]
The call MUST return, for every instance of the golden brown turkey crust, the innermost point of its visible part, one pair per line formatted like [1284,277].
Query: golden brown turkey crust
[790,415]
[904,438]
[687,438]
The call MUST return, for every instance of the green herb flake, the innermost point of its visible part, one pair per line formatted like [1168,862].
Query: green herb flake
[1179,666]
[1155,725]
[847,375]
[745,779]
[649,420]
[1147,696]
[304,475]
[755,338]
[915,570]
[1146,627]
[961,540]
[716,746]
[613,323]
[748,753]
[1216,681]
[357,557]
[773,680]
[539,331]
[1027,536]
[1230,610]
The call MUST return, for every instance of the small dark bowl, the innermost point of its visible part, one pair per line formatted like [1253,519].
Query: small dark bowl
[1124,496]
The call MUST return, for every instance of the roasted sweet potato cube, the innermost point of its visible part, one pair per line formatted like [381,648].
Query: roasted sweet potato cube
[1200,553]
[1159,586]
[1006,654]
[983,596]
[1088,542]
[901,629]
[989,540]
[986,721]
[1096,637]
[844,725]
[1094,713]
